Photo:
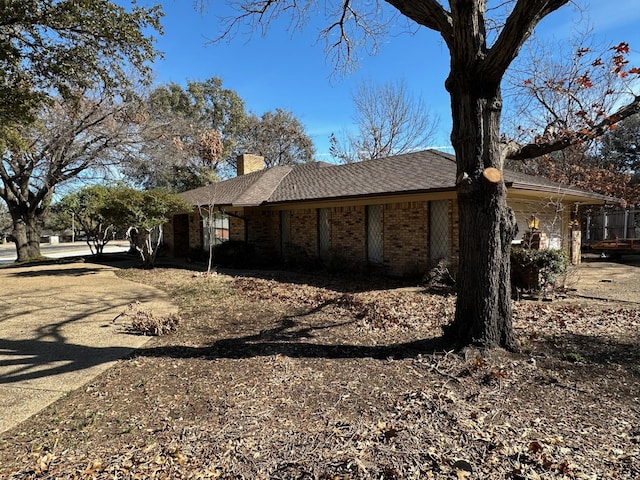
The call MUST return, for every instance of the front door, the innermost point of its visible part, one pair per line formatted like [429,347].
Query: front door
[181,235]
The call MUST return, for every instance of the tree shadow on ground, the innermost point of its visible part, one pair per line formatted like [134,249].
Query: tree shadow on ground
[244,348]
[632,259]
[52,272]
[292,338]
[599,350]
[23,360]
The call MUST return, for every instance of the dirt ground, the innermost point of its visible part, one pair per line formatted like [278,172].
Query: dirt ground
[288,376]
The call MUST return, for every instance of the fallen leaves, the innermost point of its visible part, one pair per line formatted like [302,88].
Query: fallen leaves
[269,379]
[143,322]
[382,309]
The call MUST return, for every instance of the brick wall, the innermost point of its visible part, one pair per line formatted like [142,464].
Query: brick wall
[195,234]
[236,229]
[264,231]
[304,230]
[405,238]
[348,232]
[405,233]
[167,236]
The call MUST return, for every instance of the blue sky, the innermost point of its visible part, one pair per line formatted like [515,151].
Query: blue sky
[289,70]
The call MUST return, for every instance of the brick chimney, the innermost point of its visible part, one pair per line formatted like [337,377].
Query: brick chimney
[247,163]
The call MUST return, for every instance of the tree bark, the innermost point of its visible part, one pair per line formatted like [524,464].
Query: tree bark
[27,228]
[486,224]
[141,240]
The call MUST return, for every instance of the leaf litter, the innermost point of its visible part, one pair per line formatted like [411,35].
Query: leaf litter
[305,377]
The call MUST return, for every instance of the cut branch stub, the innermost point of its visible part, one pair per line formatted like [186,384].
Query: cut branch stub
[493,175]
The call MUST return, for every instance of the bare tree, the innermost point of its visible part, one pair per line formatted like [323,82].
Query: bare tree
[390,120]
[559,89]
[210,214]
[565,89]
[482,44]
[69,138]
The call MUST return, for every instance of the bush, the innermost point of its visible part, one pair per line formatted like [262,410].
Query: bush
[143,322]
[339,263]
[439,278]
[296,257]
[234,254]
[197,255]
[536,269]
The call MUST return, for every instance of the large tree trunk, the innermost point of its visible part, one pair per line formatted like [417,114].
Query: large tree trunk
[27,228]
[486,224]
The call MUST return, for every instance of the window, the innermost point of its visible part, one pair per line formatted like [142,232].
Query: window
[375,233]
[438,230]
[324,232]
[215,228]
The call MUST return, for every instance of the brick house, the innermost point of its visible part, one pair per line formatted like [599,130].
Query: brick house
[398,213]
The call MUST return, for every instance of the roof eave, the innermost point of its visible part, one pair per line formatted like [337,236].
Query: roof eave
[577,196]
[356,196]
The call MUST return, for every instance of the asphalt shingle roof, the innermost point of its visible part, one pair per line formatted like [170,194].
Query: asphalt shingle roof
[250,189]
[428,170]
[398,174]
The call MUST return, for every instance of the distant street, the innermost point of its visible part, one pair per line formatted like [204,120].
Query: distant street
[61,250]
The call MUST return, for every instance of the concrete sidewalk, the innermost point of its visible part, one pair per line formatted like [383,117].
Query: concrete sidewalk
[57,331]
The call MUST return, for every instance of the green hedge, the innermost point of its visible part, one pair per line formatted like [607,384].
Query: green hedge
[534,269]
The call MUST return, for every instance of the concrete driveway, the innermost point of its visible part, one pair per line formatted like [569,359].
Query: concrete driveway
[605,280]
[57,331]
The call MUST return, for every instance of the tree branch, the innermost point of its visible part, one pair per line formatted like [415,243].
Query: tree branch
[428,13]
[517,29]
[514,151]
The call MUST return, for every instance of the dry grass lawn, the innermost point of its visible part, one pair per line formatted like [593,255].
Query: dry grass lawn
[303,377]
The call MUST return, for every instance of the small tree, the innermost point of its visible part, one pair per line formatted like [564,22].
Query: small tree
[85,206]
[142,215]
[209,215]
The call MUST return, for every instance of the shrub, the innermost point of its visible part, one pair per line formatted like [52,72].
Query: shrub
[143,322]
[197,255]
[296,257]
[535,269]
[439,277]
[234,254]
[337,262]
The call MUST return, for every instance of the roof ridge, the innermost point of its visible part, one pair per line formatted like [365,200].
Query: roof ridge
[260,190]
